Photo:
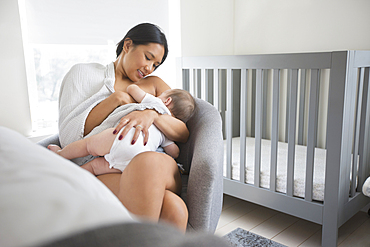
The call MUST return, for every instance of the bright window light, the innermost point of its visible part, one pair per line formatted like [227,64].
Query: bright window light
[51,63]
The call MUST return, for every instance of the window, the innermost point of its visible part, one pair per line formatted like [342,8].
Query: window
[62,33]
[51,63]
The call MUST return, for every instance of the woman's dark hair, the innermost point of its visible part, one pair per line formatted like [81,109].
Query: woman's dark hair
[143,34]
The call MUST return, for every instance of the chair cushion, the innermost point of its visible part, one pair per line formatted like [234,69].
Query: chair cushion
[44,196]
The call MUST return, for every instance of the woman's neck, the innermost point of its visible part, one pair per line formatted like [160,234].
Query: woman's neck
[121,80]
[119,72]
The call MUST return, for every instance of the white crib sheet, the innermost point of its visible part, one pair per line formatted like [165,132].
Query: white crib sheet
[299,167]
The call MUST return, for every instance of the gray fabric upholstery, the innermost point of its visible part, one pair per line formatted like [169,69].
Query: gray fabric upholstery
[202,156]
[138,234]
[54,139]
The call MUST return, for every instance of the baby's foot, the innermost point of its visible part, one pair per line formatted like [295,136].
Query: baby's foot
[54,148]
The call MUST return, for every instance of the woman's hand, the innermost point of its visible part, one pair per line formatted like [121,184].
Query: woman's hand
[104,108]
[122,98]
[141,120]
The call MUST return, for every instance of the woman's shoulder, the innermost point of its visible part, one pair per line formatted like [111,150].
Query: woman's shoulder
[87,66]
[156,82]
[87,71]
[151,79]
[84,76]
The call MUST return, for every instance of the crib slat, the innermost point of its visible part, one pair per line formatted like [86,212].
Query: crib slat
[223,87]
[349,135]
[253,102]
[258,127]
[302,94]
[197,83]
[243,122]
[274,128]
[364,131]
[292,129]
[312,130]
[342,180]
[367,123]
[357,132]
[191,82]
[185,79]
[204,84]
[229,121]
[287,105]
[264,105]
[216,85]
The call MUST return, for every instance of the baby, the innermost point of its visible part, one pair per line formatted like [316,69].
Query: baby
[118,153]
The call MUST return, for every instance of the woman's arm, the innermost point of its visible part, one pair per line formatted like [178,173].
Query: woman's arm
[101,111]
[173,128]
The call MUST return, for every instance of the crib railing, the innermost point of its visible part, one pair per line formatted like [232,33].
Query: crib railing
[204,76]
[314,99]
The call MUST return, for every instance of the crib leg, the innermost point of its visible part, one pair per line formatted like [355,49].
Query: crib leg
[329,234]
[368,211]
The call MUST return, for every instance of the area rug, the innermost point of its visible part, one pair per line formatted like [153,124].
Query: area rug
[242,238]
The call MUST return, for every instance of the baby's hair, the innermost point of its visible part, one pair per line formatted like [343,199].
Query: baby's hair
[182,105]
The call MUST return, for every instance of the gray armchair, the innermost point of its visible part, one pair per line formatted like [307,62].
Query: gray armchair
[202,156]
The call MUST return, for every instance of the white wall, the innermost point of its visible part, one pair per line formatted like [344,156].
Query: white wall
[207,27]
[268,26]
[225,27]
[14,104]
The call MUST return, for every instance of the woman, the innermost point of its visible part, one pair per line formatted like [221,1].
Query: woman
[150,184]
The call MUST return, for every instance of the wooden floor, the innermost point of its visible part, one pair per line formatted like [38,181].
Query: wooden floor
[286,229]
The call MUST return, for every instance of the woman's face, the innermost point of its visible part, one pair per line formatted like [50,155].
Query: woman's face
[136,62]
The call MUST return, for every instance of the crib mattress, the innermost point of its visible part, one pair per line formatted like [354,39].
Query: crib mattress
[299,166]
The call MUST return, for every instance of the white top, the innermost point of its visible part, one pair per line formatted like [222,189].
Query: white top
[85,86]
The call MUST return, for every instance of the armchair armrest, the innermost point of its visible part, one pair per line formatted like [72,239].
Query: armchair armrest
[54,139]
[202,156]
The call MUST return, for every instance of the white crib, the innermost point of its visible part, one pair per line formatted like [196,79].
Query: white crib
[292,123]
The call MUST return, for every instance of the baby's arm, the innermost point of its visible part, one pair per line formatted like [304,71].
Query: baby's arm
[172,150]
[136,92]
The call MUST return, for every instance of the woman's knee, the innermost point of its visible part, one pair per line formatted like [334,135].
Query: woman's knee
[174,211]
[153,167]
[154,162]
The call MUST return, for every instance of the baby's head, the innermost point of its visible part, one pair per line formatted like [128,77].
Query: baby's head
[179,102]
